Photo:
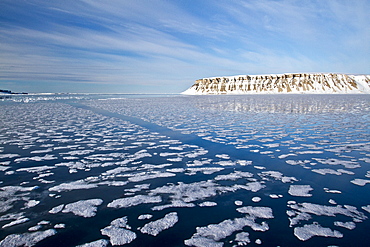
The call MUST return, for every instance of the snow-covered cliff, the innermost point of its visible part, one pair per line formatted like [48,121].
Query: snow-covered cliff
[282,83]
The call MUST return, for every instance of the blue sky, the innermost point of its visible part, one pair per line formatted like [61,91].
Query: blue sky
[154,46]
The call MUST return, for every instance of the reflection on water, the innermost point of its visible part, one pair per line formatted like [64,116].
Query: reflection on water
[287,103]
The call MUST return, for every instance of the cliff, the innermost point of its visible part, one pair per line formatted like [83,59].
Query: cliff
[282,83]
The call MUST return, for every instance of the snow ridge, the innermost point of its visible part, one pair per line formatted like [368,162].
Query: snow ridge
[316,83]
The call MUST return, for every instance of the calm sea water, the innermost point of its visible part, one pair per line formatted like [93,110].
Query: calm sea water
[175,170]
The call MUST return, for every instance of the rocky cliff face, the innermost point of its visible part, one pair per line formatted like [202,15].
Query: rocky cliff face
[282,83]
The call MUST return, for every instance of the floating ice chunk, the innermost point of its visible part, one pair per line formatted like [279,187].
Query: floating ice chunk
[60,226]
[256,199]
[242,238]
[297,162]
[254,186]
[258,241]
[36,158]
[308,231]
[48,150]
[223,156]
[198,241]
[56,209]
[310,152]
[31,203]
[238,203]
[151,176]
[120,222]
[204,170]
[234,176]
[138,187]
[332,191]
[207,204]
[349,225]
[326,171]
[174,204]
[283,156]
[36,169]
[34,228]
[97,243]
[16,222]
[118,233]
[260,167]
[257,212]
[300,190]
[244,162]
[84,208]
[145,217]
[75,185]
[155,227]
[176,170]
[118,236]
[345,163]
[215,232]
[366,208]
[189,192]
[8,156]
[278,176]
[345,172]
[26,239]
[318,209]
[226,163]
[299,216]
[360,182]
[331,201]
[133,201]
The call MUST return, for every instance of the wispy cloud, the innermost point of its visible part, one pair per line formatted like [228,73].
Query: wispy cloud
[168,44]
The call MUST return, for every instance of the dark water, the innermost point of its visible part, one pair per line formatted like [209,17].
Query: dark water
[208,170]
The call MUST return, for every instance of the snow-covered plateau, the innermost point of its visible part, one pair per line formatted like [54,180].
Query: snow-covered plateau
[316,83]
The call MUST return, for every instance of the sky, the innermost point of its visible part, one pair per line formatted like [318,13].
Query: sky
[163,46]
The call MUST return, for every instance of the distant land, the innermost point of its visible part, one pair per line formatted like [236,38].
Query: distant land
[2,91]
[293,83]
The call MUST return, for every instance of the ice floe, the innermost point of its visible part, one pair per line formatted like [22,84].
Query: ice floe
[26,239]
[145,217]
[84,208]
[300,190]
[256,199]
[97,243]
[118,232]
[308,231]
[74,185]
[209,235]
[155,227]
[257,212]
[360,182]
[242,238]
[349,225]
[16,222]
[133,201]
